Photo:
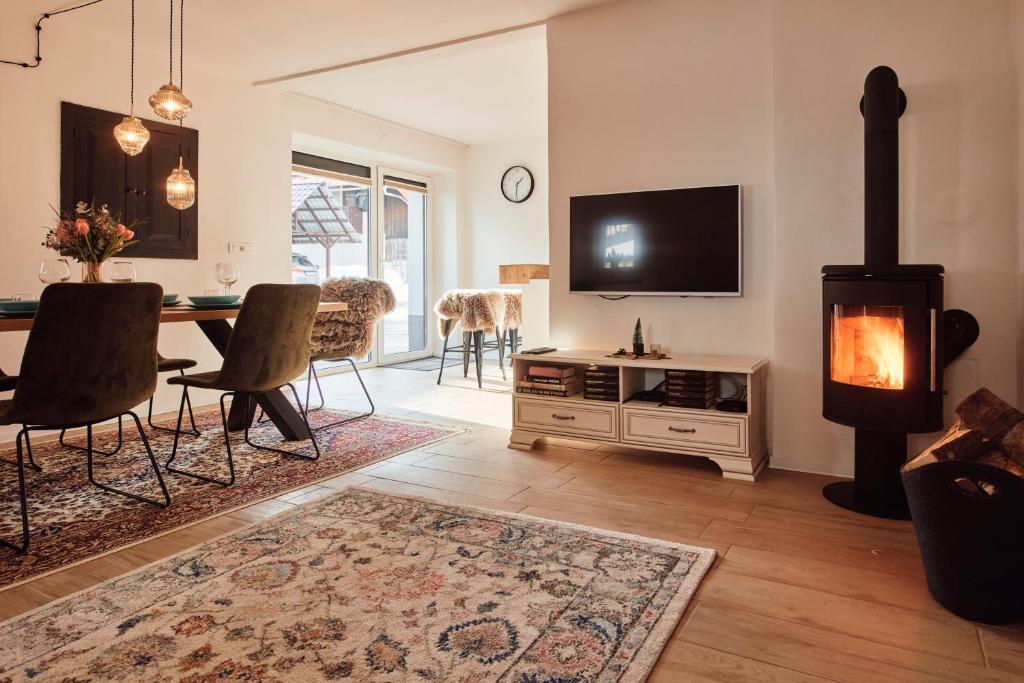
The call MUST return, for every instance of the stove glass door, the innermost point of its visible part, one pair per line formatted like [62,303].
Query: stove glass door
[868,346]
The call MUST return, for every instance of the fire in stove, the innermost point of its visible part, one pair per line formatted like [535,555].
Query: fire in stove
[867,346]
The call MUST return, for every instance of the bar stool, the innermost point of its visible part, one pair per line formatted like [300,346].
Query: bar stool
[111,371]
[269,345]
[478,312]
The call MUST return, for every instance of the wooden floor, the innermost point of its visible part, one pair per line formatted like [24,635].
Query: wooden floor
[800,591]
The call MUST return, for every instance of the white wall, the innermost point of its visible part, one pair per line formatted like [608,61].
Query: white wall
[666,93]
[245,144]
[647,95]
[496,230]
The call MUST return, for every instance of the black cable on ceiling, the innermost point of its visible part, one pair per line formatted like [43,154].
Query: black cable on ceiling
[39,31]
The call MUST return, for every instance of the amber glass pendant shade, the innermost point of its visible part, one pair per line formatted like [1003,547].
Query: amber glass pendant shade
[181,188]
[131,135]
[170,103]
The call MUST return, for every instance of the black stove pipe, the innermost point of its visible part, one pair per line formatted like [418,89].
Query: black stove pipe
[882,105]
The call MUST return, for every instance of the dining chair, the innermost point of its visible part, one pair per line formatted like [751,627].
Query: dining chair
[7,383]
[90,357]
[347,335]
[162,365]
[269,345]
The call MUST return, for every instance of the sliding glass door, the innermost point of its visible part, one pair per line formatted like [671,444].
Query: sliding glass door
[353,220]
[403,263]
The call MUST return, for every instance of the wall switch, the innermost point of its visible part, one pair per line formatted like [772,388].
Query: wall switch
[239,247]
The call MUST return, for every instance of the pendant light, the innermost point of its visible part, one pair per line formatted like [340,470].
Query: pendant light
[181,188]
[169,102]
[130,134]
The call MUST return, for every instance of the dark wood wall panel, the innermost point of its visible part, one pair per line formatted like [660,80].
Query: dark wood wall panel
[93,167]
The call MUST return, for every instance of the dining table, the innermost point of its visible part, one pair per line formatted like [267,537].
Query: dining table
[214,324]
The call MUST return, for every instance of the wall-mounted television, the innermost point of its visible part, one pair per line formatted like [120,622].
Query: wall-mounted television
[682,242]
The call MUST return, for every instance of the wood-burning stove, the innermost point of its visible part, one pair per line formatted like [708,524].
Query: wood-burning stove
[884,327]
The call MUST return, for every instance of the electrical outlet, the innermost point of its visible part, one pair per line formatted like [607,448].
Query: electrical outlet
[239,247]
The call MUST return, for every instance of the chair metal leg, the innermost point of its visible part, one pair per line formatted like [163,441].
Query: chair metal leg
[305,419]
[513,338]
[500,336]
[152,460]
[319,389]
[467,338]
[227,443]
[120,440]
[23,546]
[366,391]
[28,449]
[478,352]
[191,417]
[444,350]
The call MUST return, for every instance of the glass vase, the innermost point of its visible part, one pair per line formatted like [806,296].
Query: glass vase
[92,271]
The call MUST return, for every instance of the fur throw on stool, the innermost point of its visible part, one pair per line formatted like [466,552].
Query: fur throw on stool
[475,309]
[349,334]
[513,317]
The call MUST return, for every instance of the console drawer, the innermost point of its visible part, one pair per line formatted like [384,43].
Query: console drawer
[719,433]
[566,417]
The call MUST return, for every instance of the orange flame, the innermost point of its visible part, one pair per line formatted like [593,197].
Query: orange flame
[867,350]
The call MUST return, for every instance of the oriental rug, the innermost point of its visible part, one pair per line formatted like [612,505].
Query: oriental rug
[374,587]
[72,521]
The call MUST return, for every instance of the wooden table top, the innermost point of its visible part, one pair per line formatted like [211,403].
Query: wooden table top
[171,314]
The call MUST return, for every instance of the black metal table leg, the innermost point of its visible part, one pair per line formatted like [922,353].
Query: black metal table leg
[283,414]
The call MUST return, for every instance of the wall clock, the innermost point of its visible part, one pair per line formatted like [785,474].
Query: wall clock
[517,184]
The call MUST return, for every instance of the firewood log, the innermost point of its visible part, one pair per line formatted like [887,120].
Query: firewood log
[988,414]
[997,458]
[964,444]
[1012,444]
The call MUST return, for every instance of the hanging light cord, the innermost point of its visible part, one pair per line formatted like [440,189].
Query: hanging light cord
[170,47]
[132,112]
[39,31]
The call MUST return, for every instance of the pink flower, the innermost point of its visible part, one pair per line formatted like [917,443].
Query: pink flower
[81,227]
[121,229]
[128,234]
[62,235]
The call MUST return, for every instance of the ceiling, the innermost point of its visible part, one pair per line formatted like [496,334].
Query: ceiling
[263,39]
[481,91]
[485,91]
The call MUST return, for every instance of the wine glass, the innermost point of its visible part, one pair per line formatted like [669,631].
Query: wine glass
[54,270]
[122,271]
[227,275]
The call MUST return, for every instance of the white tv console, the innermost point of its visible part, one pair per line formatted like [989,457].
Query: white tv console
[735,441]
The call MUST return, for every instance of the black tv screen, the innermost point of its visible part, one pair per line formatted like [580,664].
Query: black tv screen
[670,242]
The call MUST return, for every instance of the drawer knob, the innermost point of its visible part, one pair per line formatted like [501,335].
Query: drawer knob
[563,417]
[682,430]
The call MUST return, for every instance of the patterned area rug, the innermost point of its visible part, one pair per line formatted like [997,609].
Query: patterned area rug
[374,587]
[72,521]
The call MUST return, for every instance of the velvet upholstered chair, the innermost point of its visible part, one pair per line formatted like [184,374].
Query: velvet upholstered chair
[90,357]
[180,365]
[347,335]
[268,346]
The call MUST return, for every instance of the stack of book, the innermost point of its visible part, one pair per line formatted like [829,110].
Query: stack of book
[690,389]
[550,380]
[601,383]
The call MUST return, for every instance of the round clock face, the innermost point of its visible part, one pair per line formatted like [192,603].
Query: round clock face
[517,184]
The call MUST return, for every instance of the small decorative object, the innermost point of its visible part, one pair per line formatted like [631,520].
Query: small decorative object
[517,184]
[656,351]
[169,102]
[638,340]
[181,188]
[130,134]
[90,236]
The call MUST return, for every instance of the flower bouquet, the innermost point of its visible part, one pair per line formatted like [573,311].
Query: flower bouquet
[90,236]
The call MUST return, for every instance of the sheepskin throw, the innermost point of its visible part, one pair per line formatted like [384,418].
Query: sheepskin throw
[349,334]
[479,310]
